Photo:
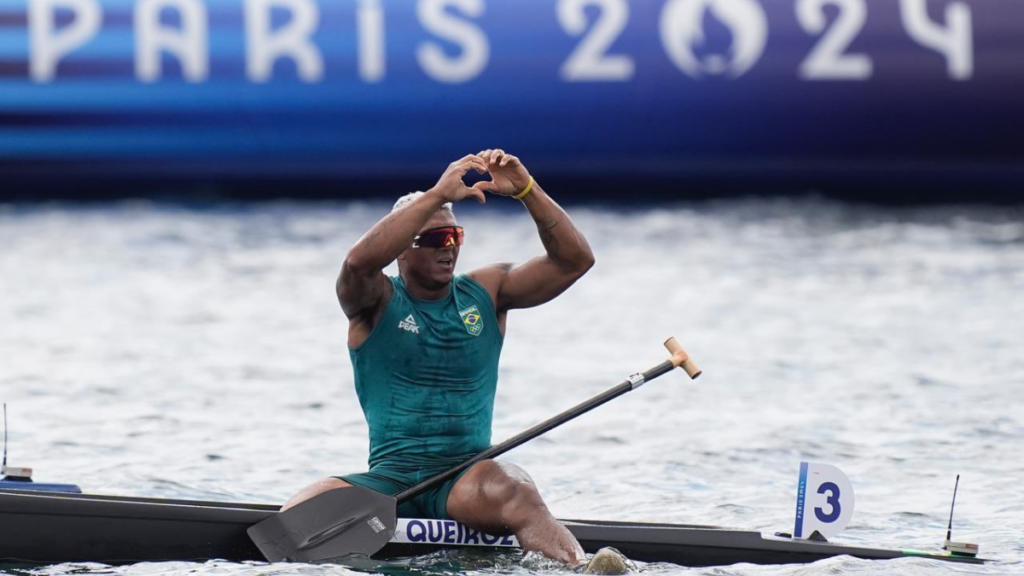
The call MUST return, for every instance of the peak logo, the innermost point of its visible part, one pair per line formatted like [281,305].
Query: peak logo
[684,35]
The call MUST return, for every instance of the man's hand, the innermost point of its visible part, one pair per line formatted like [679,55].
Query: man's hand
[508,175]
[452,188]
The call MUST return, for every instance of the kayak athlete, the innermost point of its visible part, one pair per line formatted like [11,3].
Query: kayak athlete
[425,346]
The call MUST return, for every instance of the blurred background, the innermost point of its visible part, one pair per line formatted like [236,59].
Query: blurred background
[820,198]
[901,100]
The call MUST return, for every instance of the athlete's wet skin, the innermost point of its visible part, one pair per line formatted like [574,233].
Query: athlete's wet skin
[426,338]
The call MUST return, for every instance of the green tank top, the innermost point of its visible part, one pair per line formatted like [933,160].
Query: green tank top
[426,378]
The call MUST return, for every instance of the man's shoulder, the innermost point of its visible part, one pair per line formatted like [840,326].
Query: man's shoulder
[490,277]
[490,272]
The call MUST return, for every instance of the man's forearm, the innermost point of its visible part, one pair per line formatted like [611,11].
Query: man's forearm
[389,237]
[564,243]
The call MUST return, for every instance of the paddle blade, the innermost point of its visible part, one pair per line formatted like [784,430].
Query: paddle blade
[335,524]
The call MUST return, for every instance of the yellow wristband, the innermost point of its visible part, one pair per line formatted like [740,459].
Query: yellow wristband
[523,194]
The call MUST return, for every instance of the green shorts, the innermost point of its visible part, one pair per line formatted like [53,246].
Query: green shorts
[432,504]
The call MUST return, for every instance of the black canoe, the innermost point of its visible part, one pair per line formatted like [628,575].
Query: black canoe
[48,528]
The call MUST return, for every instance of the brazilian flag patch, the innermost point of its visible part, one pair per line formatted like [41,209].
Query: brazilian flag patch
[472,319]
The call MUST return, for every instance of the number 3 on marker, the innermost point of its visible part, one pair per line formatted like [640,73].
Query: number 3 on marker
[832,501]
[824,501]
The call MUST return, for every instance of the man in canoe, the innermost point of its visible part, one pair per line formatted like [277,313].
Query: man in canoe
[425,345]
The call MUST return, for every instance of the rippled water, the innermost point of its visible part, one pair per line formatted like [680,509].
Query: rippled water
[200,353]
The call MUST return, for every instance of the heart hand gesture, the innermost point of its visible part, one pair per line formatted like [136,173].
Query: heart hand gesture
[451,186]
[508,175]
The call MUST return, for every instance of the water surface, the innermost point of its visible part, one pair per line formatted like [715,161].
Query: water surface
[199,352]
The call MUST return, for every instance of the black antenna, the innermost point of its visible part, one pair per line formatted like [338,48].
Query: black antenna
[949,529]
[5,434]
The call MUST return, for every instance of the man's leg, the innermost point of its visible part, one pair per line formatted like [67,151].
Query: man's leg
[497,497]
[315,489]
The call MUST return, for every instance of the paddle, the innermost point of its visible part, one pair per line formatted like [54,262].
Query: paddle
[357,521]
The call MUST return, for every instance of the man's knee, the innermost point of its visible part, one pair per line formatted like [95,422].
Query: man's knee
[512,490]
[315,489]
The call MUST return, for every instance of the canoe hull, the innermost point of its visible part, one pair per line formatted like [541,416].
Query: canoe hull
[47,528]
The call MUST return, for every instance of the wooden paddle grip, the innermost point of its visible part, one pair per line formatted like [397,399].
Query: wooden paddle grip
[680,359]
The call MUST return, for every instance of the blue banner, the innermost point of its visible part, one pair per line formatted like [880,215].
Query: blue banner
[371,88]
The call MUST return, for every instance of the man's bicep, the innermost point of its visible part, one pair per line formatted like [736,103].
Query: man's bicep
[533,283]
[359,292]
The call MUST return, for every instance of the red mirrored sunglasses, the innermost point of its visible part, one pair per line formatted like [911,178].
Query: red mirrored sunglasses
[442,237]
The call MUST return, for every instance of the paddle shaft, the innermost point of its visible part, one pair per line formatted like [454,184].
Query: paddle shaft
[550,424]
